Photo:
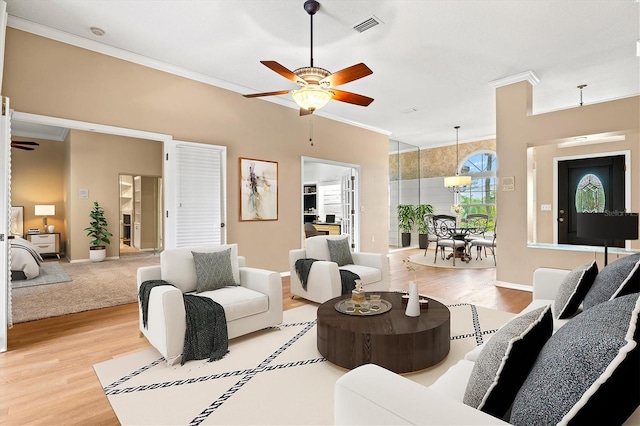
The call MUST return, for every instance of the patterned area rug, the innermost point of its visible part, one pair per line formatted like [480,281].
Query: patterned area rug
[50,273]
[274,376]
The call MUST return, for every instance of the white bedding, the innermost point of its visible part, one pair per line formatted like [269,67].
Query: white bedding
[25,257]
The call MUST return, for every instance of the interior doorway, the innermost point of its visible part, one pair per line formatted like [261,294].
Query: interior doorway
[140,229]
[330,198]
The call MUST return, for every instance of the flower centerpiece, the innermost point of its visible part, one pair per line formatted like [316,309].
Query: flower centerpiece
[457,210]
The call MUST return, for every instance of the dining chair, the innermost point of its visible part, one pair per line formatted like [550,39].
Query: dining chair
[486,243]
[445,229]
[477,224]
[431,231]
[311,231]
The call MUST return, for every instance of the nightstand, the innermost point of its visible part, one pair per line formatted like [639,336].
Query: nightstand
[46,243]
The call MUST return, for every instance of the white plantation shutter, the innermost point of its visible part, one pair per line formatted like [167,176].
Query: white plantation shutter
[194,194]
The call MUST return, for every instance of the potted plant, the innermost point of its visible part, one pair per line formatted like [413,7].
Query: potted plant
[97,230]
[406,219]
[423,237]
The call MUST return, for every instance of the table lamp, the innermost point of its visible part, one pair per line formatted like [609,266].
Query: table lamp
[610,225]
[45,210]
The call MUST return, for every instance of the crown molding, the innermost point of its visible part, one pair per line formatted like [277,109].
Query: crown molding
[104,49]
[529,76]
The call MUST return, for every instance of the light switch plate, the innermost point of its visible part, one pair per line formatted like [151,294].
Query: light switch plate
[545,207]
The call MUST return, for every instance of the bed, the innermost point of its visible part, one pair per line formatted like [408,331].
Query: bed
[25,259]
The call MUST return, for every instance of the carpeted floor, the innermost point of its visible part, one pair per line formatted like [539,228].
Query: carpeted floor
[93,286]
[421,259]
[50,273]
[269,377]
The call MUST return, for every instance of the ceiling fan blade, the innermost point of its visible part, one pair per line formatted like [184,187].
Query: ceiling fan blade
[26,148]
[257,95]
[346,75]
[283,71]
[304,112]
[26,143]
[351,98]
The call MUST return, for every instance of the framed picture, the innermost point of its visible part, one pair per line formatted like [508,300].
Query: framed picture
[258,189]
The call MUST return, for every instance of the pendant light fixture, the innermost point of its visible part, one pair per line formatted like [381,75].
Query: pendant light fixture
[455,182]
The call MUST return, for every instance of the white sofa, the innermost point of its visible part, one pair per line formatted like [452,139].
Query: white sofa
[253,305]
[324,281]
[373,395]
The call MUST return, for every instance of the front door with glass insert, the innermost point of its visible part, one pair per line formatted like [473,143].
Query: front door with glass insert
[590,185]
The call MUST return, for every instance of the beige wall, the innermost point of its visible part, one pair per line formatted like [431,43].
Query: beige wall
[37,177]
[46,77]
[517,129]
[95,162]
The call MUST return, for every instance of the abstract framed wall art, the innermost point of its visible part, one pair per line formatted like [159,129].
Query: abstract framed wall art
[258,189]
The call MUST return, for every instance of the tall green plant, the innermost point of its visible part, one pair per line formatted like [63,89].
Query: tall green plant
[421,210]
[97,228]
[406,217]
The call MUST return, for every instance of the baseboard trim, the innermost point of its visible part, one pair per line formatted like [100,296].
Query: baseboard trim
[513,286]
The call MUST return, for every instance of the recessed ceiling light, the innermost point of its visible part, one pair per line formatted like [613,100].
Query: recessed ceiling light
[97,31]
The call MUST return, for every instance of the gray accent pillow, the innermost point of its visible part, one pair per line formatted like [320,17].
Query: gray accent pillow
[588,371]
[213,270]
[340,252]
[573,289]
[505,361]
[616,279]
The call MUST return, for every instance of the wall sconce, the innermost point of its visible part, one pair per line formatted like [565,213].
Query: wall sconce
[45,210]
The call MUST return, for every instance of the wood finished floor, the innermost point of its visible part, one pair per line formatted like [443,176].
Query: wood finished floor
[47,377]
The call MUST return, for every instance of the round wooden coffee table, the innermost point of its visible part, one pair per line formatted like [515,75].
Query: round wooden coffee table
[392,340]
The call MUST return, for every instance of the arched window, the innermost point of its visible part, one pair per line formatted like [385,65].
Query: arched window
[590,195]
[480,196]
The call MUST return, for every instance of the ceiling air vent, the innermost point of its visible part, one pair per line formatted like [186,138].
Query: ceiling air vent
[367,24]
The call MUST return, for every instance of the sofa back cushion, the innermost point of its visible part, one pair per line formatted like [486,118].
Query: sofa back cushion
[178,267]
[587,372]
[616,279]
[317,247]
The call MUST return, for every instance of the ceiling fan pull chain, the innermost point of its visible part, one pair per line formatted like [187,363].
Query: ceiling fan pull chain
[311,129]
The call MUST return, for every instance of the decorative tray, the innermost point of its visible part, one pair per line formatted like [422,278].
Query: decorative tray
[385,306]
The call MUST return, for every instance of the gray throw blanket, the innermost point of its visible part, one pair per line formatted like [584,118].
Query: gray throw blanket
[347,278]
[206,334]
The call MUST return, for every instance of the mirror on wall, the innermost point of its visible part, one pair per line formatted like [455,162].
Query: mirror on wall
[404,186]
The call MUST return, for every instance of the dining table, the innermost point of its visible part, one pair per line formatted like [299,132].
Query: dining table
[460,232]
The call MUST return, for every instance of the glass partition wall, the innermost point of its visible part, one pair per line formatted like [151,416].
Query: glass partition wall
[404,188]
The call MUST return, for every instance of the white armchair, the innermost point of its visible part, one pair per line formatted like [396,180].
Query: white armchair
[324,281]
[253,305]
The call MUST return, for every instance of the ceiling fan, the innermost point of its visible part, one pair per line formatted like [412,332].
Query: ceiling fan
[26,145]
[317,85]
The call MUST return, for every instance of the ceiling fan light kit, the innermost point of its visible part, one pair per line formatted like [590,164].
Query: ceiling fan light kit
[317,84]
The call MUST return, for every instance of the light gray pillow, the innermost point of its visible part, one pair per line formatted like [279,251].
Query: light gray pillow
[587,372]
[340,252]
[505,361]
[573,289]
[213,270]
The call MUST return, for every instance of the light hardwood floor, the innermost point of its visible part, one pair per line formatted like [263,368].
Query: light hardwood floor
[47,377]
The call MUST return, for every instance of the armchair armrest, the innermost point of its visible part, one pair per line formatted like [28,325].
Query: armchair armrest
[166,323]
[371,394]
[546,282]
[374,260]
[263,281]
[146,273]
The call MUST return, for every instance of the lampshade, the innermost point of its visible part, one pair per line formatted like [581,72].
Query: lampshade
[608,226]
[451,181]
[311,97]
[45,210]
